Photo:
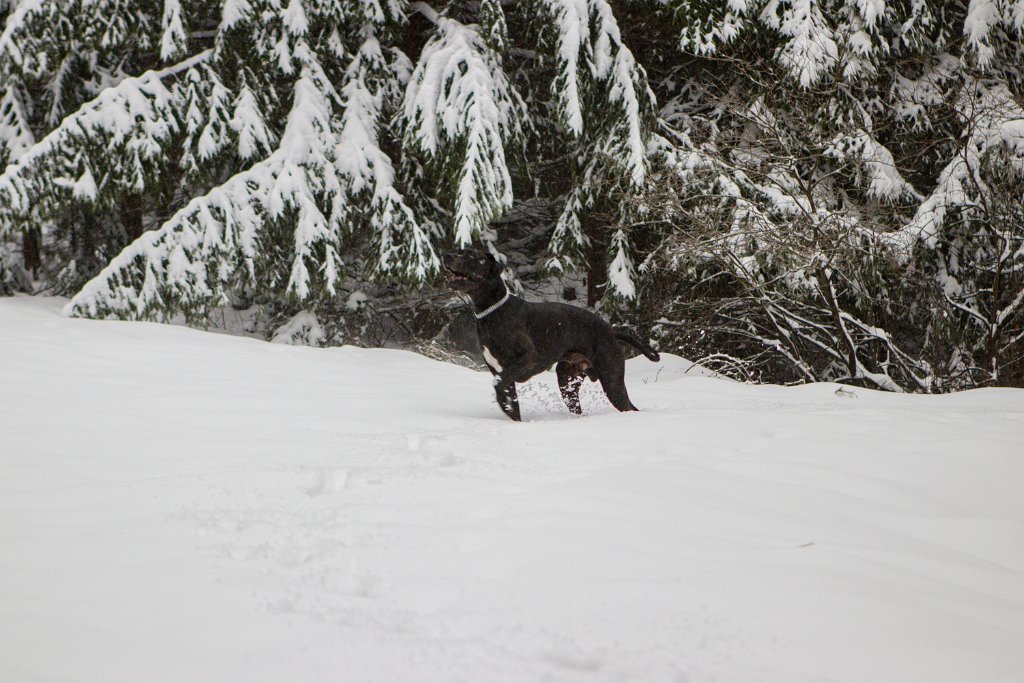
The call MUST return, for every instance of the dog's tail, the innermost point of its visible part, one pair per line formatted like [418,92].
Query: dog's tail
[626,336]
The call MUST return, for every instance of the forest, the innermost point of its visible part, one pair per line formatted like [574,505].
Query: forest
[783,190]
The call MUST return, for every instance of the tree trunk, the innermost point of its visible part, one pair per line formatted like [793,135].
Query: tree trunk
[30,251]
[597,268]
[829,294]
[131,217]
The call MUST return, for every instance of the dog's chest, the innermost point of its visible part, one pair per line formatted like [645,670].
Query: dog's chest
[493,363]
[496,348]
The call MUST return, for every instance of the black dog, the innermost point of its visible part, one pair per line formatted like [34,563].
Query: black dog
[521,339]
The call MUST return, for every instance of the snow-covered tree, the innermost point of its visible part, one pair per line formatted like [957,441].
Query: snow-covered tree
[800,190]
[53,57]
[815,148]
[460,115]
[969,236]
[285,148]
[604,106]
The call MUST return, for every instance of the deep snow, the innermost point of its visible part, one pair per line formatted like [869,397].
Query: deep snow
[183,506]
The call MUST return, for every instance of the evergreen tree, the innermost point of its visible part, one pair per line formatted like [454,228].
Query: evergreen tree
[262,161]
[796,190]
[815,150]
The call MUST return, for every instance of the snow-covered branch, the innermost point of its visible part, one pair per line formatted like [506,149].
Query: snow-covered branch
[113,138]
[219,241]
[461,113]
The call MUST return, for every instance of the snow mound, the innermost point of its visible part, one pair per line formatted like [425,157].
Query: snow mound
[669,369]
[182,506]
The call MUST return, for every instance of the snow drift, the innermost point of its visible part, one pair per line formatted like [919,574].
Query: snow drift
[183,506]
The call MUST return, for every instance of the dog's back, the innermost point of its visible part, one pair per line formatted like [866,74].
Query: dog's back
[558,328]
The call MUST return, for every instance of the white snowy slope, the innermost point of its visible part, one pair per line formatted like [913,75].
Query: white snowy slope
[184,506]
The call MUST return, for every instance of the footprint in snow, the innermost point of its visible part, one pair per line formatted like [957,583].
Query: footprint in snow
[327,482]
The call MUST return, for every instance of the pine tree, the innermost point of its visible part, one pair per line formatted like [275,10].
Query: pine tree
[55,56]
[604,106]
[267,162]
[814,135]
[460,115]
[794,189]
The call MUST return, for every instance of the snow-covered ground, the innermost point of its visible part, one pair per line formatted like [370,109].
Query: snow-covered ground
[183,506]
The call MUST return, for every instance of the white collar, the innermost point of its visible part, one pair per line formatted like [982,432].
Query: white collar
[492,308]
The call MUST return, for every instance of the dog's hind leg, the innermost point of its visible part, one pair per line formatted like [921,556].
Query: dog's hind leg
[614,385]
[569,381]
[508,399]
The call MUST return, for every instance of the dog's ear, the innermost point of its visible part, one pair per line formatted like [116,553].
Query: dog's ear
[493,262]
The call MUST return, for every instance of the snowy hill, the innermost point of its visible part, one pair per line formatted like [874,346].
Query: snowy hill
[183,506]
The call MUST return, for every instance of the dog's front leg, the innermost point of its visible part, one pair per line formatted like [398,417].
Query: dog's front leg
[505,391]
[518,368]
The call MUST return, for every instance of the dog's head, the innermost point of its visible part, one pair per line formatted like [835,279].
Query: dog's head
[469,269]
